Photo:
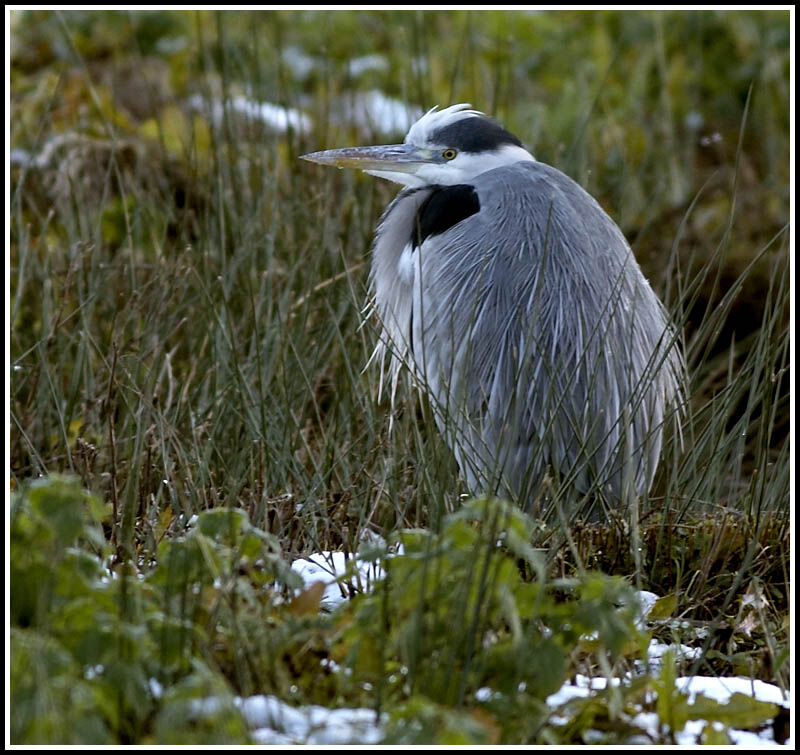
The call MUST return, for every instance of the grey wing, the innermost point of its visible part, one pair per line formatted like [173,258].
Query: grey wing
[539,340]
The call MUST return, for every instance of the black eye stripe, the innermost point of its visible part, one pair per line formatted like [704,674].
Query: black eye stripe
[474,134]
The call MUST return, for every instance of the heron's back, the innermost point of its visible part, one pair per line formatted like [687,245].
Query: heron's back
[528,321]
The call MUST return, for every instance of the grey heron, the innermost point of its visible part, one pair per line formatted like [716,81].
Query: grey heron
[517,305]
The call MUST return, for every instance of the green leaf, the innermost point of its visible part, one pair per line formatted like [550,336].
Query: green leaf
[223,524]
[671,704]
[420,721]
[67,509]
[741,711]
[712,736]
[664,607]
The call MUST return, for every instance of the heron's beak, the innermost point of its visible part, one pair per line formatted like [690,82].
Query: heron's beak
[390,158]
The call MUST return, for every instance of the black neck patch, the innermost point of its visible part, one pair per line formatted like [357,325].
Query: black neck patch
[446,206]
[474,134]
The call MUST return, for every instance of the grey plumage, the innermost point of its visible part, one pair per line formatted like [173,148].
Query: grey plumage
[528,322]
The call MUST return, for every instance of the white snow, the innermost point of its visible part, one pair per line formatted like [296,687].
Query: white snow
[657,650]
[721,689]
[328,567]
[274,722]
[276,117]
[364,63]
[374,111]
[648,600]
[299,62]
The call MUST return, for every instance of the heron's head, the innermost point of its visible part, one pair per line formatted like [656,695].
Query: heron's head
[444,147]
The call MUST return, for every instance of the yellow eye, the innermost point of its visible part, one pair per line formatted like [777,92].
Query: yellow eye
[449,154]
